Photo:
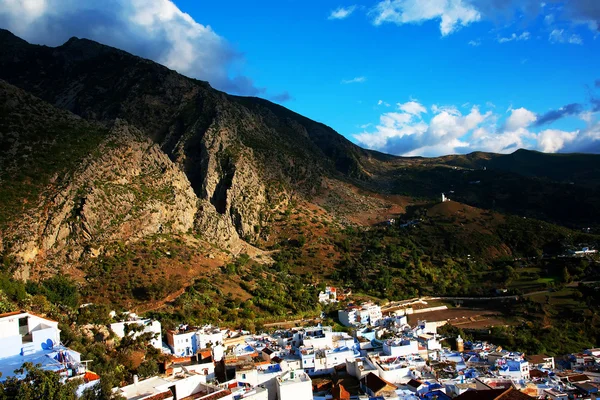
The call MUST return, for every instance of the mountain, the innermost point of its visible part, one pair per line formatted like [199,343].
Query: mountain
[582,169]
[135,179]
[231,149]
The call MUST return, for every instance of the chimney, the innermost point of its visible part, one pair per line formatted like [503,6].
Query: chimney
[135,380]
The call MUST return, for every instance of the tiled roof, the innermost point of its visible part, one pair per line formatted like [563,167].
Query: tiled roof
[537,358]
[480,394]
[339,392]
[494,394]
[375,383]
[414,383]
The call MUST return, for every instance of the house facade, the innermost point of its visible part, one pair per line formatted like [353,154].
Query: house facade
[23,333]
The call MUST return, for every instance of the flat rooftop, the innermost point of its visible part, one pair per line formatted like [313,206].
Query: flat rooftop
[45,358]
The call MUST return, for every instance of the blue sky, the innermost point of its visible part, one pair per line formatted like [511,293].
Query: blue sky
[411,77]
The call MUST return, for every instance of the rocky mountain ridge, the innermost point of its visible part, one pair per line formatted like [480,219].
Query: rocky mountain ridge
[102,146]
[242,157]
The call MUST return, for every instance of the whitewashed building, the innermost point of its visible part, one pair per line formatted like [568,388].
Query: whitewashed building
[294,385]
[150,326]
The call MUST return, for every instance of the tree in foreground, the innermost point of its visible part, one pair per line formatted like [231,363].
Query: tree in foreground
[37,384]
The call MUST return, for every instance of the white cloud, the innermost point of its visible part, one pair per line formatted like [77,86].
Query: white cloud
[435,150]
[519,118]
[383,103]
[154,29]
[358,79]
[449,132]
[474,43]
[495,141]
[447,126]
[342,12]
[391,125]
[553,140]
[451,13]
[405,132]
[412,107]
[559,36]
[575,39]
[449,109]
[523,36]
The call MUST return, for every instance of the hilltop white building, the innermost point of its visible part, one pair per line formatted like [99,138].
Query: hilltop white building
[150,326]
[328,296]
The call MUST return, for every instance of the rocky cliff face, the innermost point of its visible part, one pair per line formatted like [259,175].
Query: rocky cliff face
[125,188]
[243,157]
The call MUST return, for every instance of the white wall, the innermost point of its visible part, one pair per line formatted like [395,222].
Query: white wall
[41,329]
[397,350]
[153,327]
[257,395]
[9,326]
[295,390]
[10,346]
[212,338]
[45,339]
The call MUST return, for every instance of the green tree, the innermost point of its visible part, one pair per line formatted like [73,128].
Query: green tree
[37,384]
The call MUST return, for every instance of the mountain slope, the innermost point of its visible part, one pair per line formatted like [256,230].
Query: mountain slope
[242,156]
[234,163]
[69,187]
[582,169]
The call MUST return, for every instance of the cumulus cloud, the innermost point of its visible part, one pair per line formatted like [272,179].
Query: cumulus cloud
[452,14]
[405,132]
[154,29]
[519,118]
[448,131]
[358,79]
[393,125]
[552,140]
[412,107]
[523,36]
[341,12]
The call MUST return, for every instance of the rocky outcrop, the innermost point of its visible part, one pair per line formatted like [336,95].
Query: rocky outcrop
[129,190]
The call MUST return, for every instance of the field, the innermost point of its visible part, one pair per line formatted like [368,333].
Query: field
[466,318]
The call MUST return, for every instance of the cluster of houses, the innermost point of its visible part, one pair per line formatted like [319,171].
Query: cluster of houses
[383,358]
